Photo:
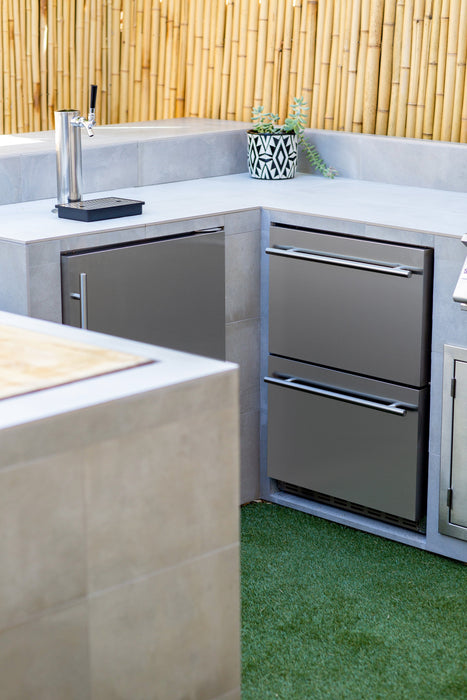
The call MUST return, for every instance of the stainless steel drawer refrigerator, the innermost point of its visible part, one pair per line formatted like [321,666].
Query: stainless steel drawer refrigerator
[348,379]
[165,291]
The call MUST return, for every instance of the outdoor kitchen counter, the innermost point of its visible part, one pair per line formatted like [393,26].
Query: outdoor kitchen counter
[431,211]
[118,502]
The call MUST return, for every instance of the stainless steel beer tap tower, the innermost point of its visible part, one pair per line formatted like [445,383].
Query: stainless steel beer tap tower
[70,204]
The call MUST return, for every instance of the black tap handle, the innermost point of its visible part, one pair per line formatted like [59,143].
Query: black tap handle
[92,100]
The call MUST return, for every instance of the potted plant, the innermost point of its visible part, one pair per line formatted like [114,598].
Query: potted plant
[273,148]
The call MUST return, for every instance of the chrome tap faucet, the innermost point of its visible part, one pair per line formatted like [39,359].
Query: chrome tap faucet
[68,123]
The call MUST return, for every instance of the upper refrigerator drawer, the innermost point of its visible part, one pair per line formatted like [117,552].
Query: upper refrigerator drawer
[357,305]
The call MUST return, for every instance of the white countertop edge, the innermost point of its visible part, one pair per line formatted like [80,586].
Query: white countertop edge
[171,367]
[417,209]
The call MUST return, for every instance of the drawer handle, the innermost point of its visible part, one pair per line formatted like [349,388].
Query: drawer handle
[358,263]
[397,407]
[82,295]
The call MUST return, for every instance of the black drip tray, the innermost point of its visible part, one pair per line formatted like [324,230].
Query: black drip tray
[98,209]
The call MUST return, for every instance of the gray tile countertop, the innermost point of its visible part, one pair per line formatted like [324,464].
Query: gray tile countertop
[420,209]
[169,367]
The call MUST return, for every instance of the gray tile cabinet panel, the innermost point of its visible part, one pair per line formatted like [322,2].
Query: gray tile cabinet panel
[249,455]
[13,276]
[242,347]
[108,168]
[10,180]
[44,292]
[242,276]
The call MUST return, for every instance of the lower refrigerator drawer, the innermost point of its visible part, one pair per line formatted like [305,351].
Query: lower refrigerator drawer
[356,439]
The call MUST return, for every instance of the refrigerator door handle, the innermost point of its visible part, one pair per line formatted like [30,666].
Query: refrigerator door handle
[396,407]
[82,296]
[359,264]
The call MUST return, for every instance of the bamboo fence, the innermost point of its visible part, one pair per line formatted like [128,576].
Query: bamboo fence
[391,67]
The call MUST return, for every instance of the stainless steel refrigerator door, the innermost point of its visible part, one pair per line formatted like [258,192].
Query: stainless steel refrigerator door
[348,437]
[168,292]
[453,475]
[353,304]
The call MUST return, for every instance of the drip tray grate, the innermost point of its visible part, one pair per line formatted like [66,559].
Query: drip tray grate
[99,209]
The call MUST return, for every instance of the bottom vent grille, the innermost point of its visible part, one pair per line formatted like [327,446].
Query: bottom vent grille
[413,525]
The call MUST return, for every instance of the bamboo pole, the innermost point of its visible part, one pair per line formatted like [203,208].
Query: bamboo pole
[18,77]
[231,100]
[153,71]
[460,75]
[204,59]
[137,51]
[293,72]
[211,56]
[329,112]
[396,60]
[384,88]
[241,60]
[428,114]
[218,60]
[353,64]
[78,87]
[43,64]
[370,95]
[324,64]
[415,60]
[3,104]
[440,76]
[318,51]
[131,67]
[266,99]
[225,80]
[180,93]
[450,79]
[61,47]
[357,122]
[307,87]
[251,49]
[463,134]
[284,77]
[260,52]
[342,66]
[175,60]
[161,59]
[404,69]
[424,62]
[197,57]
[115,47]
[26,29]
[86,58]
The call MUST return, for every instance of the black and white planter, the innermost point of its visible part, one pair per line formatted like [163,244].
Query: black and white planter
[272,156]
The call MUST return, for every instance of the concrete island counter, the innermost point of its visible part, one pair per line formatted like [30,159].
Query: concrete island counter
[119,562]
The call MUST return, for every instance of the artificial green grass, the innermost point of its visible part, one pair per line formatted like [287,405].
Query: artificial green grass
[332,613]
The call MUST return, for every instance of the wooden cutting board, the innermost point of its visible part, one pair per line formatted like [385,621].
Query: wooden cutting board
[30,361]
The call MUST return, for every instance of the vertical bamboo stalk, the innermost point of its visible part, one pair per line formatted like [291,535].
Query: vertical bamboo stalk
[450,80]
[324,64]
[204,62]
[370,97]
[124,62]
[86,57]
[78,87]
[181,82]
[145,19]
[353,64]
[260,52]
[218,60]
[460,75]
[197,57]
[132,108]
[251,49]
[138,61]
[285,63]
[342,66]
[422,82]
[60,45]
[161,59]
[172,82]
[330,104]
[190,55]
[241,61]
[441,73]
[27,67]
[225,80]
[43,63]
[93,48]
[293,73]
[154,63]
[18,78]
[428,113]
[266,99]
[318,52]
[231,100]
[2,92]
[168,59]
[51,61]
[463,134]
[415,57]
[357,124]
[395,73]
[211,55]
[66,55]
[384,89]
[310,55]
[6,72]
[115,46]
[404,69]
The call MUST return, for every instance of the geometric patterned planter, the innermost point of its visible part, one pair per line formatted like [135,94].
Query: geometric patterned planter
[272,156]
